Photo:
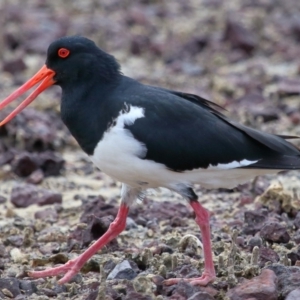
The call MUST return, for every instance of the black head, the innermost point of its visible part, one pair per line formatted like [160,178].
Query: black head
[75,59]
[71,62]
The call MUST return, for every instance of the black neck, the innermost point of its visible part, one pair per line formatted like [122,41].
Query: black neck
[88,112]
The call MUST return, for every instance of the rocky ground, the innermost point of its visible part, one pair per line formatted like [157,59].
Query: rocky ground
[242,54]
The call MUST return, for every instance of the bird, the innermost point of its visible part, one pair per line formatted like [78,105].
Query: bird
[148,137]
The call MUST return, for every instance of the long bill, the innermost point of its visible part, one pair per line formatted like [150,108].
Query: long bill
[44,75]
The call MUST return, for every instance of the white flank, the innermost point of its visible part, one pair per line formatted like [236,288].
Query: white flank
[118,152]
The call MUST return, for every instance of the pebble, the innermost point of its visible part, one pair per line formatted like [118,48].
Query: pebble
[48,214]
[254,241]
[274,232]
[267,255]
[297,221]
[293,295]
[10,286]
[288,278]
[253,221]
[24,195]
[122,270]
[239,36]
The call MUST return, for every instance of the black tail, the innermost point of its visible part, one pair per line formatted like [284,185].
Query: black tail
[277,162]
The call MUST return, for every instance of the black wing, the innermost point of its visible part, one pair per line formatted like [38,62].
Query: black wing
[184,135]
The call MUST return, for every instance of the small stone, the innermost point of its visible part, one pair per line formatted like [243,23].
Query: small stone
[3,251]
[274,232]
[95,229]
[48,292]
[36,177]
[260,287]
[7,293]
[49,197]
[201,296]
[288,278]
[6,157]
[254,221]
[122,270]
[297,221]
[184,290]
[239,36]
[14,66]
[28,287]
[47,214]
[51,163]
[2,199]
[289,87]
[294,295]
[24,195]
[267,254]
[98,207]
[254,241]
[150,233]
[130,224]
[294,256]
[16,255]
[15,240]
[10,286]
[137,296]
[24,164]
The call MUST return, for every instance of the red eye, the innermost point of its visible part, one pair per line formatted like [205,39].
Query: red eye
[63,52]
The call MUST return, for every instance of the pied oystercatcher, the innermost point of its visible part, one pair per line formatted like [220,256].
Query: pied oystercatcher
[149,137]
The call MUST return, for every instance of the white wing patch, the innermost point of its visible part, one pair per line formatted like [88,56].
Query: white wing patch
[233,165]
[128,117]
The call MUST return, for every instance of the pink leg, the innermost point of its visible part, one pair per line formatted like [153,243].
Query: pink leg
[72,267]
[209,274]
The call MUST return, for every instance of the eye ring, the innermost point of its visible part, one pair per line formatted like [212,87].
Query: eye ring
[63,52]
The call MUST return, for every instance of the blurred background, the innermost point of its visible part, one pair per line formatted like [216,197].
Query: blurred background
[243,51]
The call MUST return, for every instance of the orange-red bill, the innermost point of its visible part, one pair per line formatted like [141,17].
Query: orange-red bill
[45,75]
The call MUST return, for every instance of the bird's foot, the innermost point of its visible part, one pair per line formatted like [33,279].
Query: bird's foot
[204,280]
[69,269]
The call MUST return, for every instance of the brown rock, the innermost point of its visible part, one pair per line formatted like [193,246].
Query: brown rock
[23,195]
[6,158]
[267,254]
[274,232]
[2,199]
[184,290]
[288,278]
[98,207]
[14,66]
[49,197]
[36,177]
[262,287]
[254,221]
[24,164]
[239,36]
[27,163]
[51,163]
[289,87]
[293,295]
[46,214]
[95,229]
[297,221]
[10,284]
